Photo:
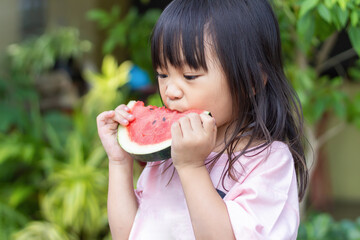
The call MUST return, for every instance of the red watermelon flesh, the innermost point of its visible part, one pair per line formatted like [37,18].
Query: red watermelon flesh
[153,124]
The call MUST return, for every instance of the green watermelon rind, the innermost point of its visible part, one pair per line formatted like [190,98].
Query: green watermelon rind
[145,153]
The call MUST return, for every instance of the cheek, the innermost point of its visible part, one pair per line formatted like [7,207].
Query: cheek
[222,107]
[222,115]
[162,92]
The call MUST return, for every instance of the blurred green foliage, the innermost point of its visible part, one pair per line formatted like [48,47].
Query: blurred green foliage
[131,33]
[309,30]
[104,93]
[38,54]
[323,227]
[53,178]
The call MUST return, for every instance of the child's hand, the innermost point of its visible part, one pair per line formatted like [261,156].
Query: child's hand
[193,138]
[107,124]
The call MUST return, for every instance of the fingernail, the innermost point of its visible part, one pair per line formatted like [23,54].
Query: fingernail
[124,121]
[126,108]
[130,116]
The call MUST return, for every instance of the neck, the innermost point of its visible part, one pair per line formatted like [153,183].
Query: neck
[220,140]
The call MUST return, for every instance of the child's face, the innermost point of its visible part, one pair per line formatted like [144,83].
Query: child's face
[185,88]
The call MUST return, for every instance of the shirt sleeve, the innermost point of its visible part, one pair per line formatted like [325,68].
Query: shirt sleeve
[264,205]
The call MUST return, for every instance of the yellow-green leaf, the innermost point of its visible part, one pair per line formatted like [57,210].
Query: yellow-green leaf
[354,17]
[109,66]
[342,4]
[123,72]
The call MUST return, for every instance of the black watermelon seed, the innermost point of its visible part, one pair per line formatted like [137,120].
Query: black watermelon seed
[151,108]
[164,119]
[154,122]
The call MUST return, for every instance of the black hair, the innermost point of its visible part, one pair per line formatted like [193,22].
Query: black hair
[244,35]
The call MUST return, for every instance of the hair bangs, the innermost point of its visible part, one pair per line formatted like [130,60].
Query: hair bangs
[178,37]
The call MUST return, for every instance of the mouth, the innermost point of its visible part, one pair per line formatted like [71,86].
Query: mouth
[175,109]
[171,106]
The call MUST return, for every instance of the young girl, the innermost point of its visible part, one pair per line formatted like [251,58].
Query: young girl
[236,175]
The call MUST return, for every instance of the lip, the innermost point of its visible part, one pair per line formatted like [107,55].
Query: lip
[175,109]
[170,105]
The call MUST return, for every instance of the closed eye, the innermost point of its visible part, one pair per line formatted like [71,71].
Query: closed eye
[190,77]
[158,75]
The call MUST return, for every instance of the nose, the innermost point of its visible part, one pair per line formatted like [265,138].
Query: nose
[173,92]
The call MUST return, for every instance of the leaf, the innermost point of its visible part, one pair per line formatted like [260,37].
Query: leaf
[339,104]
[341,16]
[109,45]
[109,66]
[122,73]
[102,17]
[11,220]
[354,234]
[322,224]
[342,4]
[329,3]
[324,12]
[42,230]
[302,234]
[319,108]
[19,194]
[354,17]
[119,34]
[354,35]
[96,157]
[305,29]
[307,6]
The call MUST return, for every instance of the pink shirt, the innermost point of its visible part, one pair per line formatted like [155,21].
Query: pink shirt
[262,204]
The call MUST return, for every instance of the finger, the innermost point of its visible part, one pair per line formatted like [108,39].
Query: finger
[103,117]
[126,112]
[123,117]
[185,125]
[176,133]
[106,119]
[123,107]
[208,122]
[195,121]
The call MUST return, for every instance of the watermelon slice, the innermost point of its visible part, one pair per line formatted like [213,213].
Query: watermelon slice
[148,137]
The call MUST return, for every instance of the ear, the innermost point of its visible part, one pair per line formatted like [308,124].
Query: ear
[264,77]
[263,74]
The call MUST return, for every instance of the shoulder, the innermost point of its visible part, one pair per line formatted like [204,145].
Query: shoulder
[274,161]
[275,168]
[278,154]
[264,202]
[280,147]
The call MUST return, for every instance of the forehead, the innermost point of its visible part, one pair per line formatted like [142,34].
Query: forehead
[179,36]
[181,49]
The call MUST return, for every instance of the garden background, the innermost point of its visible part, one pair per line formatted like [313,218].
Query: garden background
[64,62]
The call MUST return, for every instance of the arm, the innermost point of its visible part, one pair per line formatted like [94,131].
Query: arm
[122,203]
[194,138]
